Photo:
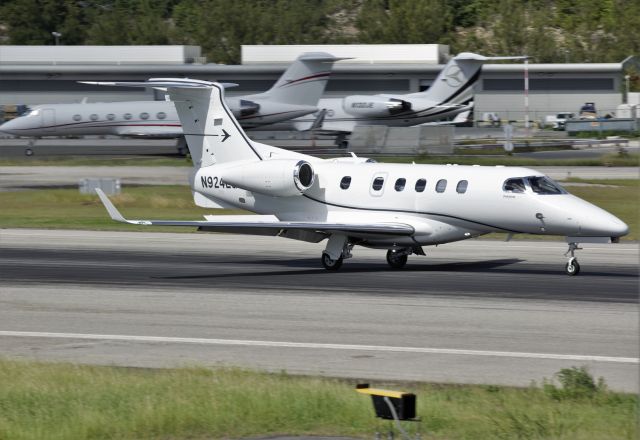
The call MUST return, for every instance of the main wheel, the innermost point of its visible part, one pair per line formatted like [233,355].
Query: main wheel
[395,259]
[329,263]
[572,267]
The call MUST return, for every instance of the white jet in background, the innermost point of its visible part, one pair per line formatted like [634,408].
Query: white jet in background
[295,94]
[355,201]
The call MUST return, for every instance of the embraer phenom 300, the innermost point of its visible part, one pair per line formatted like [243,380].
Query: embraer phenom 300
[354,201]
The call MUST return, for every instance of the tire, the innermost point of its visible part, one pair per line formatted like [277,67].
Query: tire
[28,152]
[331,264]
[395,260]
[572,268]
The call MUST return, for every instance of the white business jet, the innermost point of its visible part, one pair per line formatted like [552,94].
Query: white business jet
[355,201]
[295,94]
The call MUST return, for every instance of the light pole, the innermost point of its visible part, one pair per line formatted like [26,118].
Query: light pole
[57,36]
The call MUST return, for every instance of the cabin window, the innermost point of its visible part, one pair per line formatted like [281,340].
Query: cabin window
[441,185]
[217,122]
[377,183]
[93,117]
[544,185]
[345,182]
[161,115]
[461,187]
[144,115]
[127,116]
[111,116]
[77,118]
[421,184]
[514,185]
[400,184]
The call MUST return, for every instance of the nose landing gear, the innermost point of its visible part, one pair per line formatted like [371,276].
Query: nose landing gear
[572,267]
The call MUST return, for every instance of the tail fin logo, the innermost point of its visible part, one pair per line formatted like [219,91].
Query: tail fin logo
[452,76]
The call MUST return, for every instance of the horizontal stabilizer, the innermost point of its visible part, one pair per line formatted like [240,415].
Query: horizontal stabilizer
[161,83]
[246,223]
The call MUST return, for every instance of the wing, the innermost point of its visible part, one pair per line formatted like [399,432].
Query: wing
[265,225]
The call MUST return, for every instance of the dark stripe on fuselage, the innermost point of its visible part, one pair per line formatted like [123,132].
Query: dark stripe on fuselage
[412,212]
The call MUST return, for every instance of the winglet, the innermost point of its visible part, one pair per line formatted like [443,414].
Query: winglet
[112,210]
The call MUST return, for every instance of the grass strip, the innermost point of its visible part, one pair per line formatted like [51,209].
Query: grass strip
[466,157]
[68,209]
[65,401]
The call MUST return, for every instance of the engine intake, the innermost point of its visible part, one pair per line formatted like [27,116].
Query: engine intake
[276,177]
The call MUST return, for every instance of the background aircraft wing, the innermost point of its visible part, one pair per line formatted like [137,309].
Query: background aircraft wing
[264,225]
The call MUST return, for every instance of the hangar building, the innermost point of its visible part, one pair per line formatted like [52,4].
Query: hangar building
[49,74]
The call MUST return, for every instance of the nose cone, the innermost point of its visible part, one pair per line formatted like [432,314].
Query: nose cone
[599,223]
[10,126]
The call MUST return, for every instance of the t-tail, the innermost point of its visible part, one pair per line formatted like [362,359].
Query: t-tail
[213,134]
[304,81]
[454,84]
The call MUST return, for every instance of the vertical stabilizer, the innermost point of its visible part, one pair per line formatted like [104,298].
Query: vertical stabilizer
[454,84]
[213,135]
[304,81]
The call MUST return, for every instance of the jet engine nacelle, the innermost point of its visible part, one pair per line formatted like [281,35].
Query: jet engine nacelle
[367,105]
[277,177]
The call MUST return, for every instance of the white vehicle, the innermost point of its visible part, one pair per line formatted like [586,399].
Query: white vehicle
[353,201]
[450,94]
[558,121]
[295,94]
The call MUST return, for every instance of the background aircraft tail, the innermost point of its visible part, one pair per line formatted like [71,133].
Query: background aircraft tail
[304,81]
[454,84]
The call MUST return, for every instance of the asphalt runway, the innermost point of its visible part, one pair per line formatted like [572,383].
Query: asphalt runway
[469,312]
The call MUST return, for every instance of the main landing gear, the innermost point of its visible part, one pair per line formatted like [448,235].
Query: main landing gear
[572,267]
[339,249]
[397,258]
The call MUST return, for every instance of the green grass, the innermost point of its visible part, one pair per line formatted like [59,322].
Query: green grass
[628,160]
[68,209]
[64,401]
[463,157]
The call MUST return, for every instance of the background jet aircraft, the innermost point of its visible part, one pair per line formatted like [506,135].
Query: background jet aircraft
[350,201]
[295,94]
[450,94]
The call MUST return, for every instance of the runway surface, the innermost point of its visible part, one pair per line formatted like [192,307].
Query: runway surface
[35,177]
[470,312]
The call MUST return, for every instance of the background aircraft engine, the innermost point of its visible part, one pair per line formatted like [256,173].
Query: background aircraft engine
[277,177]
[363,105]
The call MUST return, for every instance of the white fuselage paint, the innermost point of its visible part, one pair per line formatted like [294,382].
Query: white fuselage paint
[149,119]
[437,217]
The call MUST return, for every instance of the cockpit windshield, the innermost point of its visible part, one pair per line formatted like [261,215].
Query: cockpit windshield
[515,185]
[544,185]
[538,184]
[35,112]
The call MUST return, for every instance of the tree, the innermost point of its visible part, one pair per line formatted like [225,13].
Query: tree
[405,21]
[129,22]
[33,21]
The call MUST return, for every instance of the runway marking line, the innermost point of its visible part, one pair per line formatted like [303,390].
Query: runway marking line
[321,346]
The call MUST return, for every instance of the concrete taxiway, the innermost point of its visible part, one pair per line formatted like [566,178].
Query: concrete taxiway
[469,312]
[26,177]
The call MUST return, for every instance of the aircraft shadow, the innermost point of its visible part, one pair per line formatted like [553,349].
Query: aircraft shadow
[312,267]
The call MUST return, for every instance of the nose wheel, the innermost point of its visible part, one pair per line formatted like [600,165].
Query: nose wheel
[572,268]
